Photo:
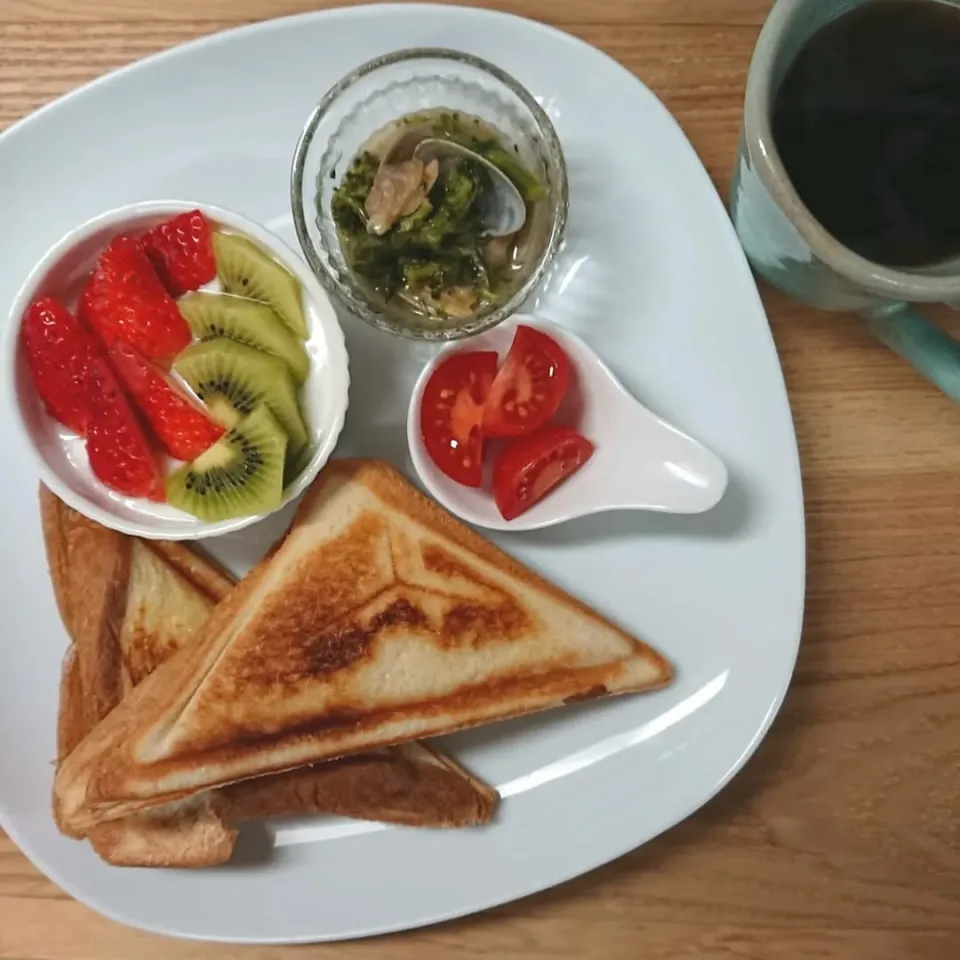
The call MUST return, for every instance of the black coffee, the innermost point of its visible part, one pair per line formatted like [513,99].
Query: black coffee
[867,123]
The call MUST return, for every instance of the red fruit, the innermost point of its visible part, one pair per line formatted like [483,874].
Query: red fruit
[452,411]
[529,468]
[125,300]
[177,420]
[59,350]
[529,387]
[117,446]
[181,249]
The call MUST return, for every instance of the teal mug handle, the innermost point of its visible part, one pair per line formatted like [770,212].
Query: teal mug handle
[920,342]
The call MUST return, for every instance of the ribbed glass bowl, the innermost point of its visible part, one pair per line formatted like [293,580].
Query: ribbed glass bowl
[379,92]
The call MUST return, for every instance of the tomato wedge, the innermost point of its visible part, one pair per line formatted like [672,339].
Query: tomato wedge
[529,468]
[529,387]
[451,414]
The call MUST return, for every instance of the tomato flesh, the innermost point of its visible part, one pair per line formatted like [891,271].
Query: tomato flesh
[529,468]
[451,414]
[529,387]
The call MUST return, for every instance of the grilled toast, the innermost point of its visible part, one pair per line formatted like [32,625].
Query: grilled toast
[128,605]
[380,619]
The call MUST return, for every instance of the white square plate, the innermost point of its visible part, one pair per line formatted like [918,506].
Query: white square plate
[651,276]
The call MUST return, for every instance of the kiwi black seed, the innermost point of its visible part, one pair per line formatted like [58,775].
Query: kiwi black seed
[256,324]
[232,378]
[246,270]
[240,475]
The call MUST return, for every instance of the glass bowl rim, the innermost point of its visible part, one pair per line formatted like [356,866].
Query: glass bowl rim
[559,198]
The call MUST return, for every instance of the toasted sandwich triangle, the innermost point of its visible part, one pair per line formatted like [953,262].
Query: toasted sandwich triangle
[379,620]
[128,605]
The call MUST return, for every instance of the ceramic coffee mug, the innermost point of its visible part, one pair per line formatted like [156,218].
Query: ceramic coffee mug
[788,247]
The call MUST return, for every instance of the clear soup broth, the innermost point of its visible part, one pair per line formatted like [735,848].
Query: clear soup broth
[410,231]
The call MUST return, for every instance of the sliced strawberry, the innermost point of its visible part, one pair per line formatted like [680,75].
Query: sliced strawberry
[59,349]
[125,300]
[182,251]
[177,420]
[117,446]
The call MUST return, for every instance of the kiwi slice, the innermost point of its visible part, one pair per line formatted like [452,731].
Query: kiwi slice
[226,374]
[297,464]
[240,475]
[223,411]
[247,270]
[222,315]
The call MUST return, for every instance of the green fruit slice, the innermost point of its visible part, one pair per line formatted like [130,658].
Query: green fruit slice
[212,315]
[297,464]
[240,475]
[247,270]
[229,375]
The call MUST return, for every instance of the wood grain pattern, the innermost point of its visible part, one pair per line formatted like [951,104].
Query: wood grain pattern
[841,838]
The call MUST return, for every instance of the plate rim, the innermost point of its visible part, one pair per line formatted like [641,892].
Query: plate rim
[225,36]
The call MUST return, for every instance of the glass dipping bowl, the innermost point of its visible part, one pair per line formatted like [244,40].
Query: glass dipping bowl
[381,91]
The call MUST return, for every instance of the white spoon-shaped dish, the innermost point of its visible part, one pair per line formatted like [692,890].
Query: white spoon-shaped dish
[640,461]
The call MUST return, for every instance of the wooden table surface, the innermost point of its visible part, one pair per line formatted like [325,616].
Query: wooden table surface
[840,840]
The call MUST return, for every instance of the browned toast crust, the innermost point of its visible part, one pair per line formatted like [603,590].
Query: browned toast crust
[203,572]
[88,567]
[415,786]
[71,722]
[411,785]
[109,791]
[191,833]
[388,484]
